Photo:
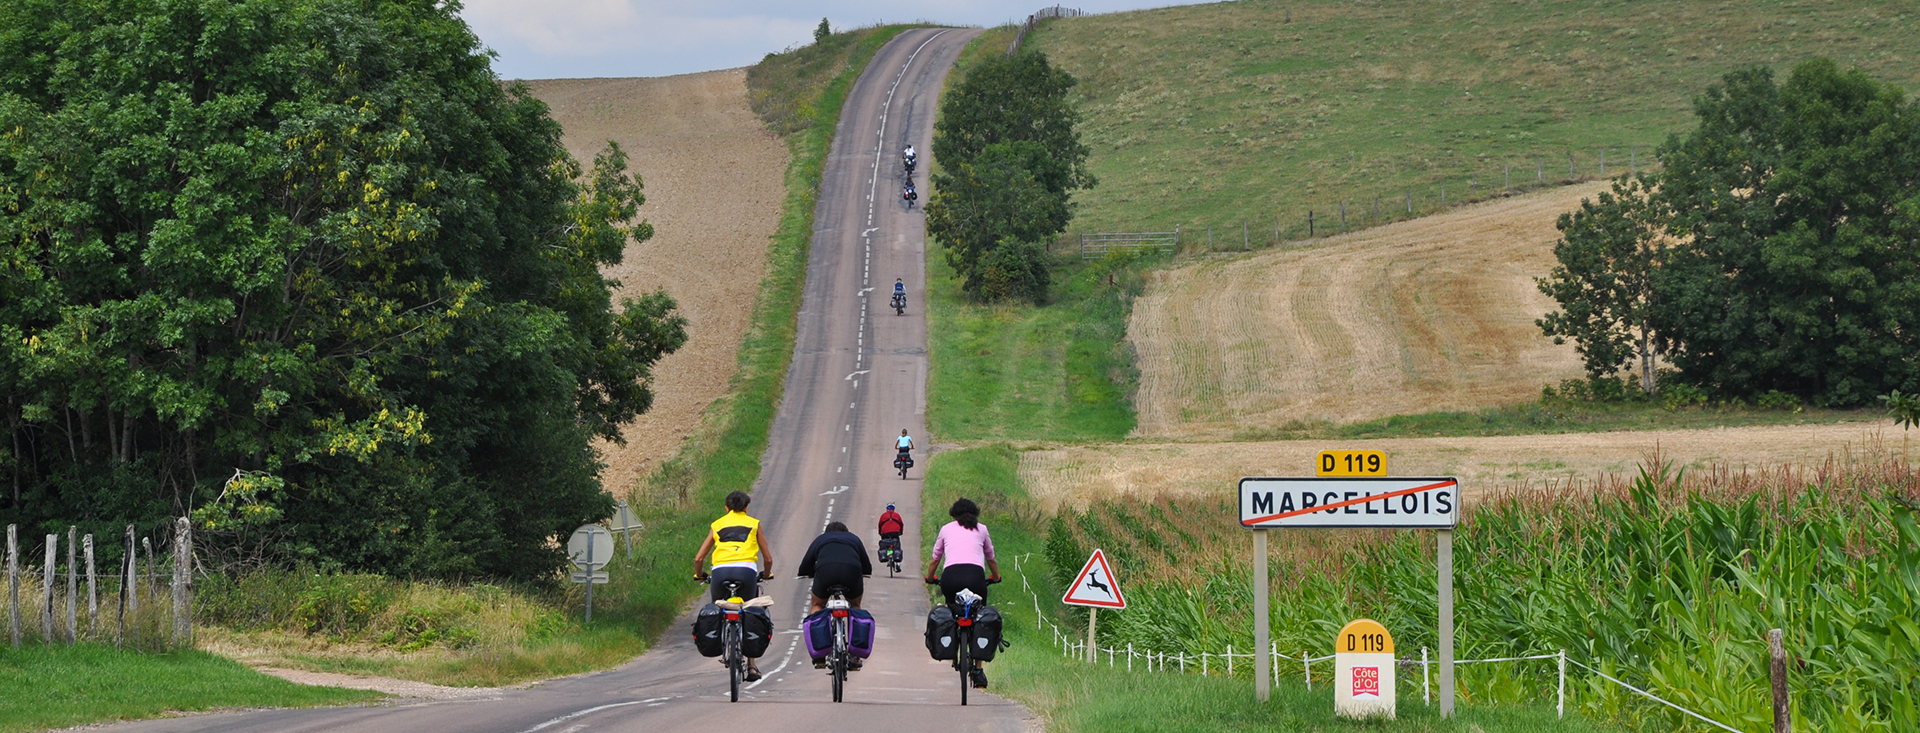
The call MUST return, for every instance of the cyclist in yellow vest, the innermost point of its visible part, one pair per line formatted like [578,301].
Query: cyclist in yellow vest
[735,539]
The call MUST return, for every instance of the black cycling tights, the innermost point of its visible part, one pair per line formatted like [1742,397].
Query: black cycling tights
[970,577]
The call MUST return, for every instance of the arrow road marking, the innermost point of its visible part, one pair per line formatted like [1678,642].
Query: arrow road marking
[869,230]
[855,374]
[835,490]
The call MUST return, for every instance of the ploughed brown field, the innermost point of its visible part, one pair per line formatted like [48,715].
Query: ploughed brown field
[1419,316]
[713,176]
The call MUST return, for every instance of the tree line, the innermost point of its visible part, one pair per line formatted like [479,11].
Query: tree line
[1776,250]
[1010,159]
[307,271]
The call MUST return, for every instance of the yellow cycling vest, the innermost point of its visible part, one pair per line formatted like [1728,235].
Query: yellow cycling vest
[736,539]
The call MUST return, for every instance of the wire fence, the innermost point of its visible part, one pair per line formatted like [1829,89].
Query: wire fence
[1208,663]
[68,613]
[1034,19]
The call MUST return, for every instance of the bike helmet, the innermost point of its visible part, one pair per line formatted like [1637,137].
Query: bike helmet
[889,506]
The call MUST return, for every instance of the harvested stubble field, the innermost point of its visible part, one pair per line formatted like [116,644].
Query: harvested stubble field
[1079,475]
[1433,314]
[713,177]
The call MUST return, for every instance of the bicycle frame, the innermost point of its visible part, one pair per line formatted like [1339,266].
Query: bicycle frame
[841,658]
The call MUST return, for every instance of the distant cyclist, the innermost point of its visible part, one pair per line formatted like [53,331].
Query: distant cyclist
[968,552]
[909,157]
[904,444]
[899,288]
[891,525]
[735,540]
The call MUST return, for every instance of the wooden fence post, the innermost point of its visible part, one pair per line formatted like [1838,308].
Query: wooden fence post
[1343,216]
[13,582]
[1506,179]
[1309,223]
[46,588]
[1603,162]
[1782,719]
[73,584]
[129,586]
[1569,165]
[1539,172]
[1409,200]
[93,591]
[183,582]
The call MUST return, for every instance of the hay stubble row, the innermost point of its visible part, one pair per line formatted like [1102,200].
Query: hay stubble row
[1418,316]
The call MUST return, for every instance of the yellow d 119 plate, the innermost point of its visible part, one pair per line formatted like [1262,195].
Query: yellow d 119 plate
[1351,463]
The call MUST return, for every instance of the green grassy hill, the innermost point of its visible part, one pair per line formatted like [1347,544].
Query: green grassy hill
[1210,114]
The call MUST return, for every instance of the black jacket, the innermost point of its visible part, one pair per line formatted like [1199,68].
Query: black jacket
[836,547]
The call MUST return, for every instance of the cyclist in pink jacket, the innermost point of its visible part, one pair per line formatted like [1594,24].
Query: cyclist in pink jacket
[968,552]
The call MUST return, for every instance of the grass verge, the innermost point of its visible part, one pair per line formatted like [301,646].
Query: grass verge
[59,686]
[1059,372]
[1073,696]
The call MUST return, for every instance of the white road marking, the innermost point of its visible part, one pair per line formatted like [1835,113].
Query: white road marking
[858,373]
[590,711]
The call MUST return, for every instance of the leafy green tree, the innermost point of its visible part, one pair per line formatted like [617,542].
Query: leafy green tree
[1022,98]
[991,199]
[307,270]
[1800,208]
[822,32]
[1610,254]
[1011,160]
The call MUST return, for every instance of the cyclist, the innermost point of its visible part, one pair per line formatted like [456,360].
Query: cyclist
[735,539]
[836,557]
[903,444]
[909,157]
[891,525]
[968,552]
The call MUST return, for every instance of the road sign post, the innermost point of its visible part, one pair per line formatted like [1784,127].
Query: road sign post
[625,524]
[590,548]
[1365,501]
[1096,587]
[1262,684]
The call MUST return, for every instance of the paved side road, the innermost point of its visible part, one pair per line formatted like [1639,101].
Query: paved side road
[858,378]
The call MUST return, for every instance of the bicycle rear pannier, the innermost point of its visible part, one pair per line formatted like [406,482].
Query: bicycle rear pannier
[860,633]
[817,633]
[758,631]
[706,630]
[986,634]
[890,550]
[942,633]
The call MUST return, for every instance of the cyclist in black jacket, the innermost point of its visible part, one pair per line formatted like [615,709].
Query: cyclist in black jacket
[836,557]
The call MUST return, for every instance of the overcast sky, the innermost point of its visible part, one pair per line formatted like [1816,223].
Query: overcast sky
[551,39]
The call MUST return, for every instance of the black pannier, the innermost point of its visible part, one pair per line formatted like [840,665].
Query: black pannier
[758,627]
[706,630]
[942,633]
[986,634]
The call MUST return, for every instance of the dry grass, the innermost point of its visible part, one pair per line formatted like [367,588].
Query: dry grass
[1426,315]
[713,176]
[1077,476]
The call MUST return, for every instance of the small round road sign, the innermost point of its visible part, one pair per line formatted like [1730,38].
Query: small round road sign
[594,538]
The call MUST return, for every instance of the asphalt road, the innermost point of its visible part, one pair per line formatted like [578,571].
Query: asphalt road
[858,378]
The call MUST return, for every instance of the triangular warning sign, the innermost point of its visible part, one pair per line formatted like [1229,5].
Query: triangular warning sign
[1096,585]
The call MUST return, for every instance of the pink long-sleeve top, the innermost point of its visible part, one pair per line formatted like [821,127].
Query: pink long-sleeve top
[962,546]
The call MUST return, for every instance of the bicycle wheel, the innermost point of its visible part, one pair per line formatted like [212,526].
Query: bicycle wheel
[965,665]
[839,657]
[736,664]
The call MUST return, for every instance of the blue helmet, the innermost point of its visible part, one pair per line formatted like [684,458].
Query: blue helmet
[889,507]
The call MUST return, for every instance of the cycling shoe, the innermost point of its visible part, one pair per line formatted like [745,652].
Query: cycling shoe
[979,678]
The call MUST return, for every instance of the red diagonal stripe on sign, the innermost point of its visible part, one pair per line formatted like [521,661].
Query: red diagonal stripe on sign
[1350,502]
